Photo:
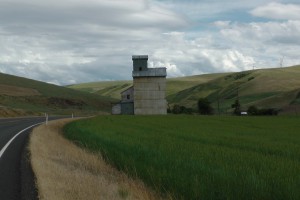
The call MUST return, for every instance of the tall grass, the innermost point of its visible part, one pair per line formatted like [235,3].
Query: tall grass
[193,157]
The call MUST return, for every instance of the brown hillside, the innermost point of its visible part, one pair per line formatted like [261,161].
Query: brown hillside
[17,91]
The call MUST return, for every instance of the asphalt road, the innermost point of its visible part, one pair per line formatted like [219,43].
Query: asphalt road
[16,177]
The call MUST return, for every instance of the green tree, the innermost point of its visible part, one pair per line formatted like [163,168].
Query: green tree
[252,110]
[204,107]
[176,109]
[237,107]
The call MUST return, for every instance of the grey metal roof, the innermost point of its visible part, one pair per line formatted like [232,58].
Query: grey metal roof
[126,90]
[139,57]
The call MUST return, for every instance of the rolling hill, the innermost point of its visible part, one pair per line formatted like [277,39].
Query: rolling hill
[21,96]
[277,88]
[266,88]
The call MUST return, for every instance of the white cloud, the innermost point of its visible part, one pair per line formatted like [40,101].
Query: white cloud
[278,11]
[266,42]
[190,57]
[222,24]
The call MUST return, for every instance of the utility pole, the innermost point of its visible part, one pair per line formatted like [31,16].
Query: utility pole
[46,119]
[237,105]
[237,93]
[218,103]
[281,62]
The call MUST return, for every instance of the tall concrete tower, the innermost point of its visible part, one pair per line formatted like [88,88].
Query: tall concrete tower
[149,87]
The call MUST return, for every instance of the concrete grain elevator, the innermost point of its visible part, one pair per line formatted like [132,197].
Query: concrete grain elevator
[149,87]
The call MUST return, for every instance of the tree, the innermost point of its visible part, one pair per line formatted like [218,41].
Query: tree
[176,109]
[252,110]
[204,107]
[237,107]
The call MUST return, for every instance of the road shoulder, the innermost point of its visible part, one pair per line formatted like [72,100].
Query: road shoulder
[28,188]
[65,171]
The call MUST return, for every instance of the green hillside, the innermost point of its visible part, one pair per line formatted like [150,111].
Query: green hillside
[110,89]
[114,88]
[266,88]
[21,96]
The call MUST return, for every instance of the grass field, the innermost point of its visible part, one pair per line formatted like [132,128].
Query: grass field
[195,157]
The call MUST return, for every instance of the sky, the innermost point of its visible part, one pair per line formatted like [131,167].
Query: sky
[75,41]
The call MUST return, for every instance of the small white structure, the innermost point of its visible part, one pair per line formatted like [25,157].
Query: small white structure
[116,109]
[244,113]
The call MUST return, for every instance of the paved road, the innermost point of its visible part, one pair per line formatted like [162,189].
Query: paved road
[16,177]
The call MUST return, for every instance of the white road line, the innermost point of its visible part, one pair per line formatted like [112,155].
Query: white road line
[12,139]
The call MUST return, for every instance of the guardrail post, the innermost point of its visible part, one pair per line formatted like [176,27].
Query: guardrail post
[46,118]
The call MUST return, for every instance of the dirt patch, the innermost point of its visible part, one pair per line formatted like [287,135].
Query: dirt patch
[61,102]
[65,171]
[17,91]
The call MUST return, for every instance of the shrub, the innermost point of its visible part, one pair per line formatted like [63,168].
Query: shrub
[204,107]
[177,109]
[252,110]
[268,111]
[251,78]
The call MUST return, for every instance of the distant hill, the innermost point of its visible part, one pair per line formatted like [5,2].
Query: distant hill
[266,88]
[277,88]
[21,96]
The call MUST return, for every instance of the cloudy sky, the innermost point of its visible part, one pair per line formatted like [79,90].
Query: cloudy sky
[74,41]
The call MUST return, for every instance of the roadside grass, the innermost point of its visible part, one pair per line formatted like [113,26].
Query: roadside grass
[196,157]
[66,172]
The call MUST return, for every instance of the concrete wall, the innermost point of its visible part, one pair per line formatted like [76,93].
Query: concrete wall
[127,108]
[149,95]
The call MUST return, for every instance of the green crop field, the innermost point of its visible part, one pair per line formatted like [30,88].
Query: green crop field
[200,157]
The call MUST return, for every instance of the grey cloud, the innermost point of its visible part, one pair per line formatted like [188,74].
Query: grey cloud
[105,13]
[71,41]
